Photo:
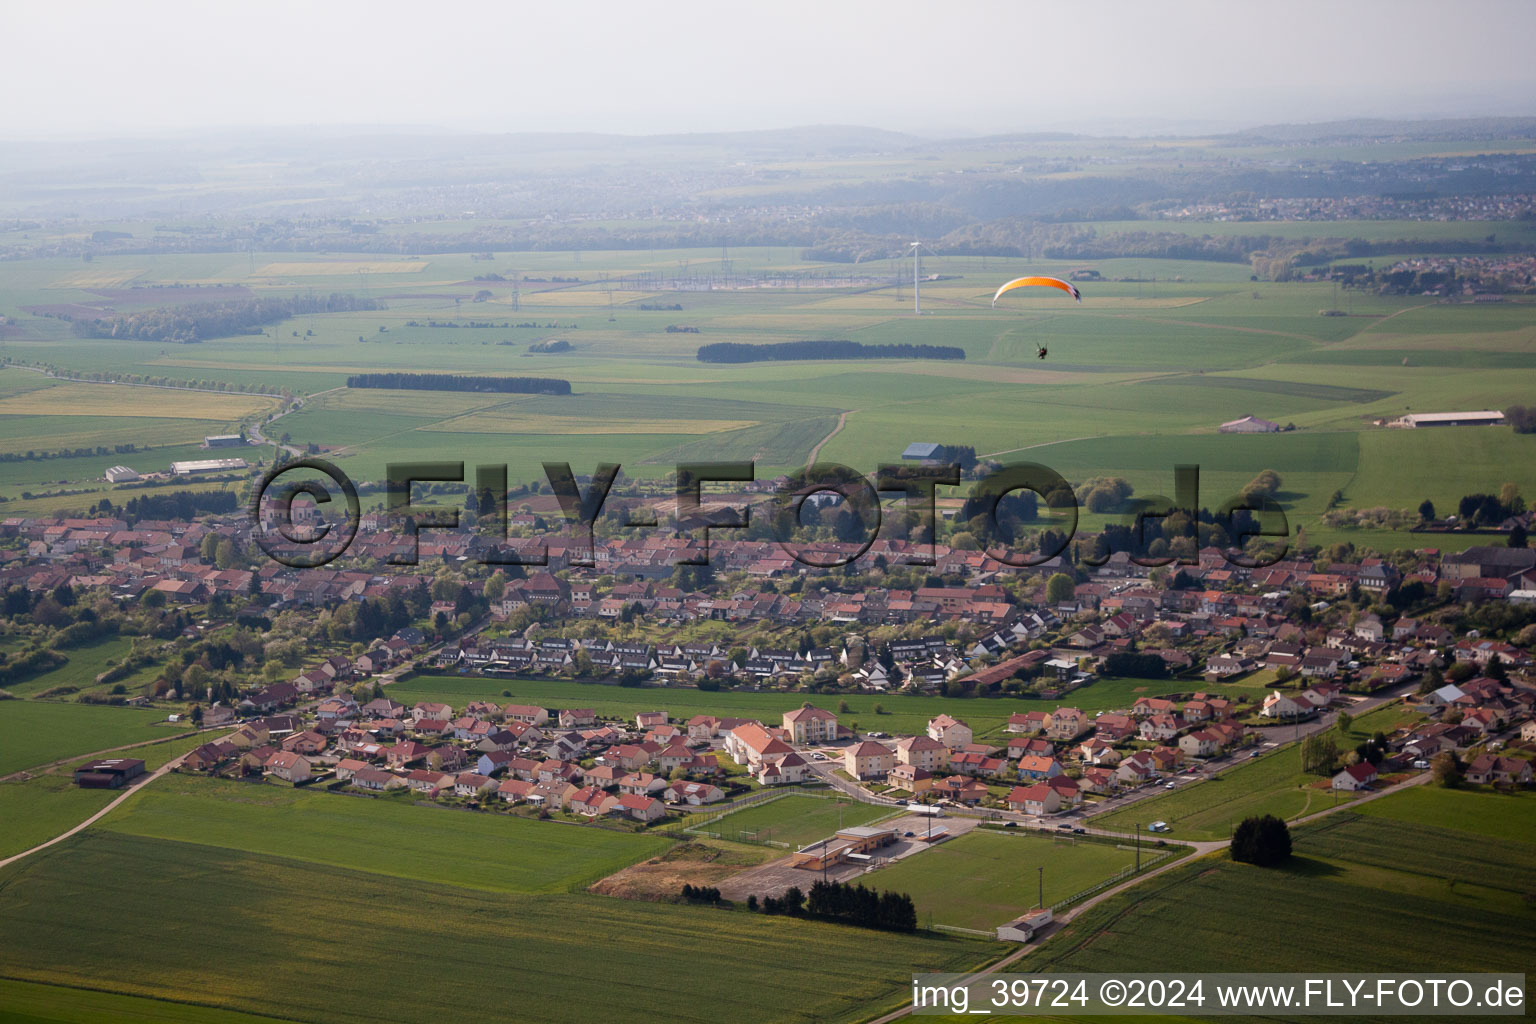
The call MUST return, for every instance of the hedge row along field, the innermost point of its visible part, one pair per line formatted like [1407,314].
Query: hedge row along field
[457,382]
[738,352]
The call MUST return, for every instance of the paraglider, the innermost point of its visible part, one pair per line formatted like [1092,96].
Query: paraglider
[1039,282]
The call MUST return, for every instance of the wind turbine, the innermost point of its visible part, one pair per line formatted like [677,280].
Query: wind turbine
[917,272]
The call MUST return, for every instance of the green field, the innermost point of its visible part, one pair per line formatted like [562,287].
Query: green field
[1139,377]
[987,717]
[796,821]
[317,943]
[1358,895]
[1483,811]
[986,878]
[34,733]
[25,1002]
[37,809]
[85,663]
[500,853]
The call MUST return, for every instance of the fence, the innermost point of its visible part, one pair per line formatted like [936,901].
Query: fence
[696,824]
[593,877]
[1112,880]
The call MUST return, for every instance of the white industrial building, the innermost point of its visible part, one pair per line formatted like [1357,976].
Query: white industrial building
[120,474]
[1482,418]
[207,466]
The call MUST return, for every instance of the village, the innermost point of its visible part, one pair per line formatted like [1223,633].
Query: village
[1242,663]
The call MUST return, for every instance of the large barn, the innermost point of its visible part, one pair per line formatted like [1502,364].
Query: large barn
[1482,418]
[1249,425]
[109,773]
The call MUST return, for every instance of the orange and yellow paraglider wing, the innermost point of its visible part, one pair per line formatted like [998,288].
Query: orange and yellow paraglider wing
[1038,282]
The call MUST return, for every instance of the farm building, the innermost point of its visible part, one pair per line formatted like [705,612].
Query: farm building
[1249,425]
[849,844]
[207,466]
[1024,927]
[224,441]
[925,451]
[109,773]
[1483,418]
[120,474]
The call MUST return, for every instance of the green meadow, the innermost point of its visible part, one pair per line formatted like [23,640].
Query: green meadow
[34,733]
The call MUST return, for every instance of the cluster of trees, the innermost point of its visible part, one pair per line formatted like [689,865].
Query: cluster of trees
[458,382]
[700,894]
[680,329]
[740,352]
[30,661]
[185,505]
[1263,841]
[382,616]
[856,904]
[1489,509]
[194,323]
[1520,417]
[1179,534]
[1138,666]
[850,904]
[658,307]
[551,345]
[1103,493]
[1320,754]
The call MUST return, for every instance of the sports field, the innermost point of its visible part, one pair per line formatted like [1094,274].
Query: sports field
[318,943]
[986,878]
[795,821]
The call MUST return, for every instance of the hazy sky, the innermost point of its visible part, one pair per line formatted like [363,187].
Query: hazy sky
[936,67]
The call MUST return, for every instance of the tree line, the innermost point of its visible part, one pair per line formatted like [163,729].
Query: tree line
[457,382]
[182,505]
[850,904]
[194,323]
[740,352]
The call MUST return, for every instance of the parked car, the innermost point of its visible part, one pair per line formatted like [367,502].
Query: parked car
[1079,831]
[1064,825]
